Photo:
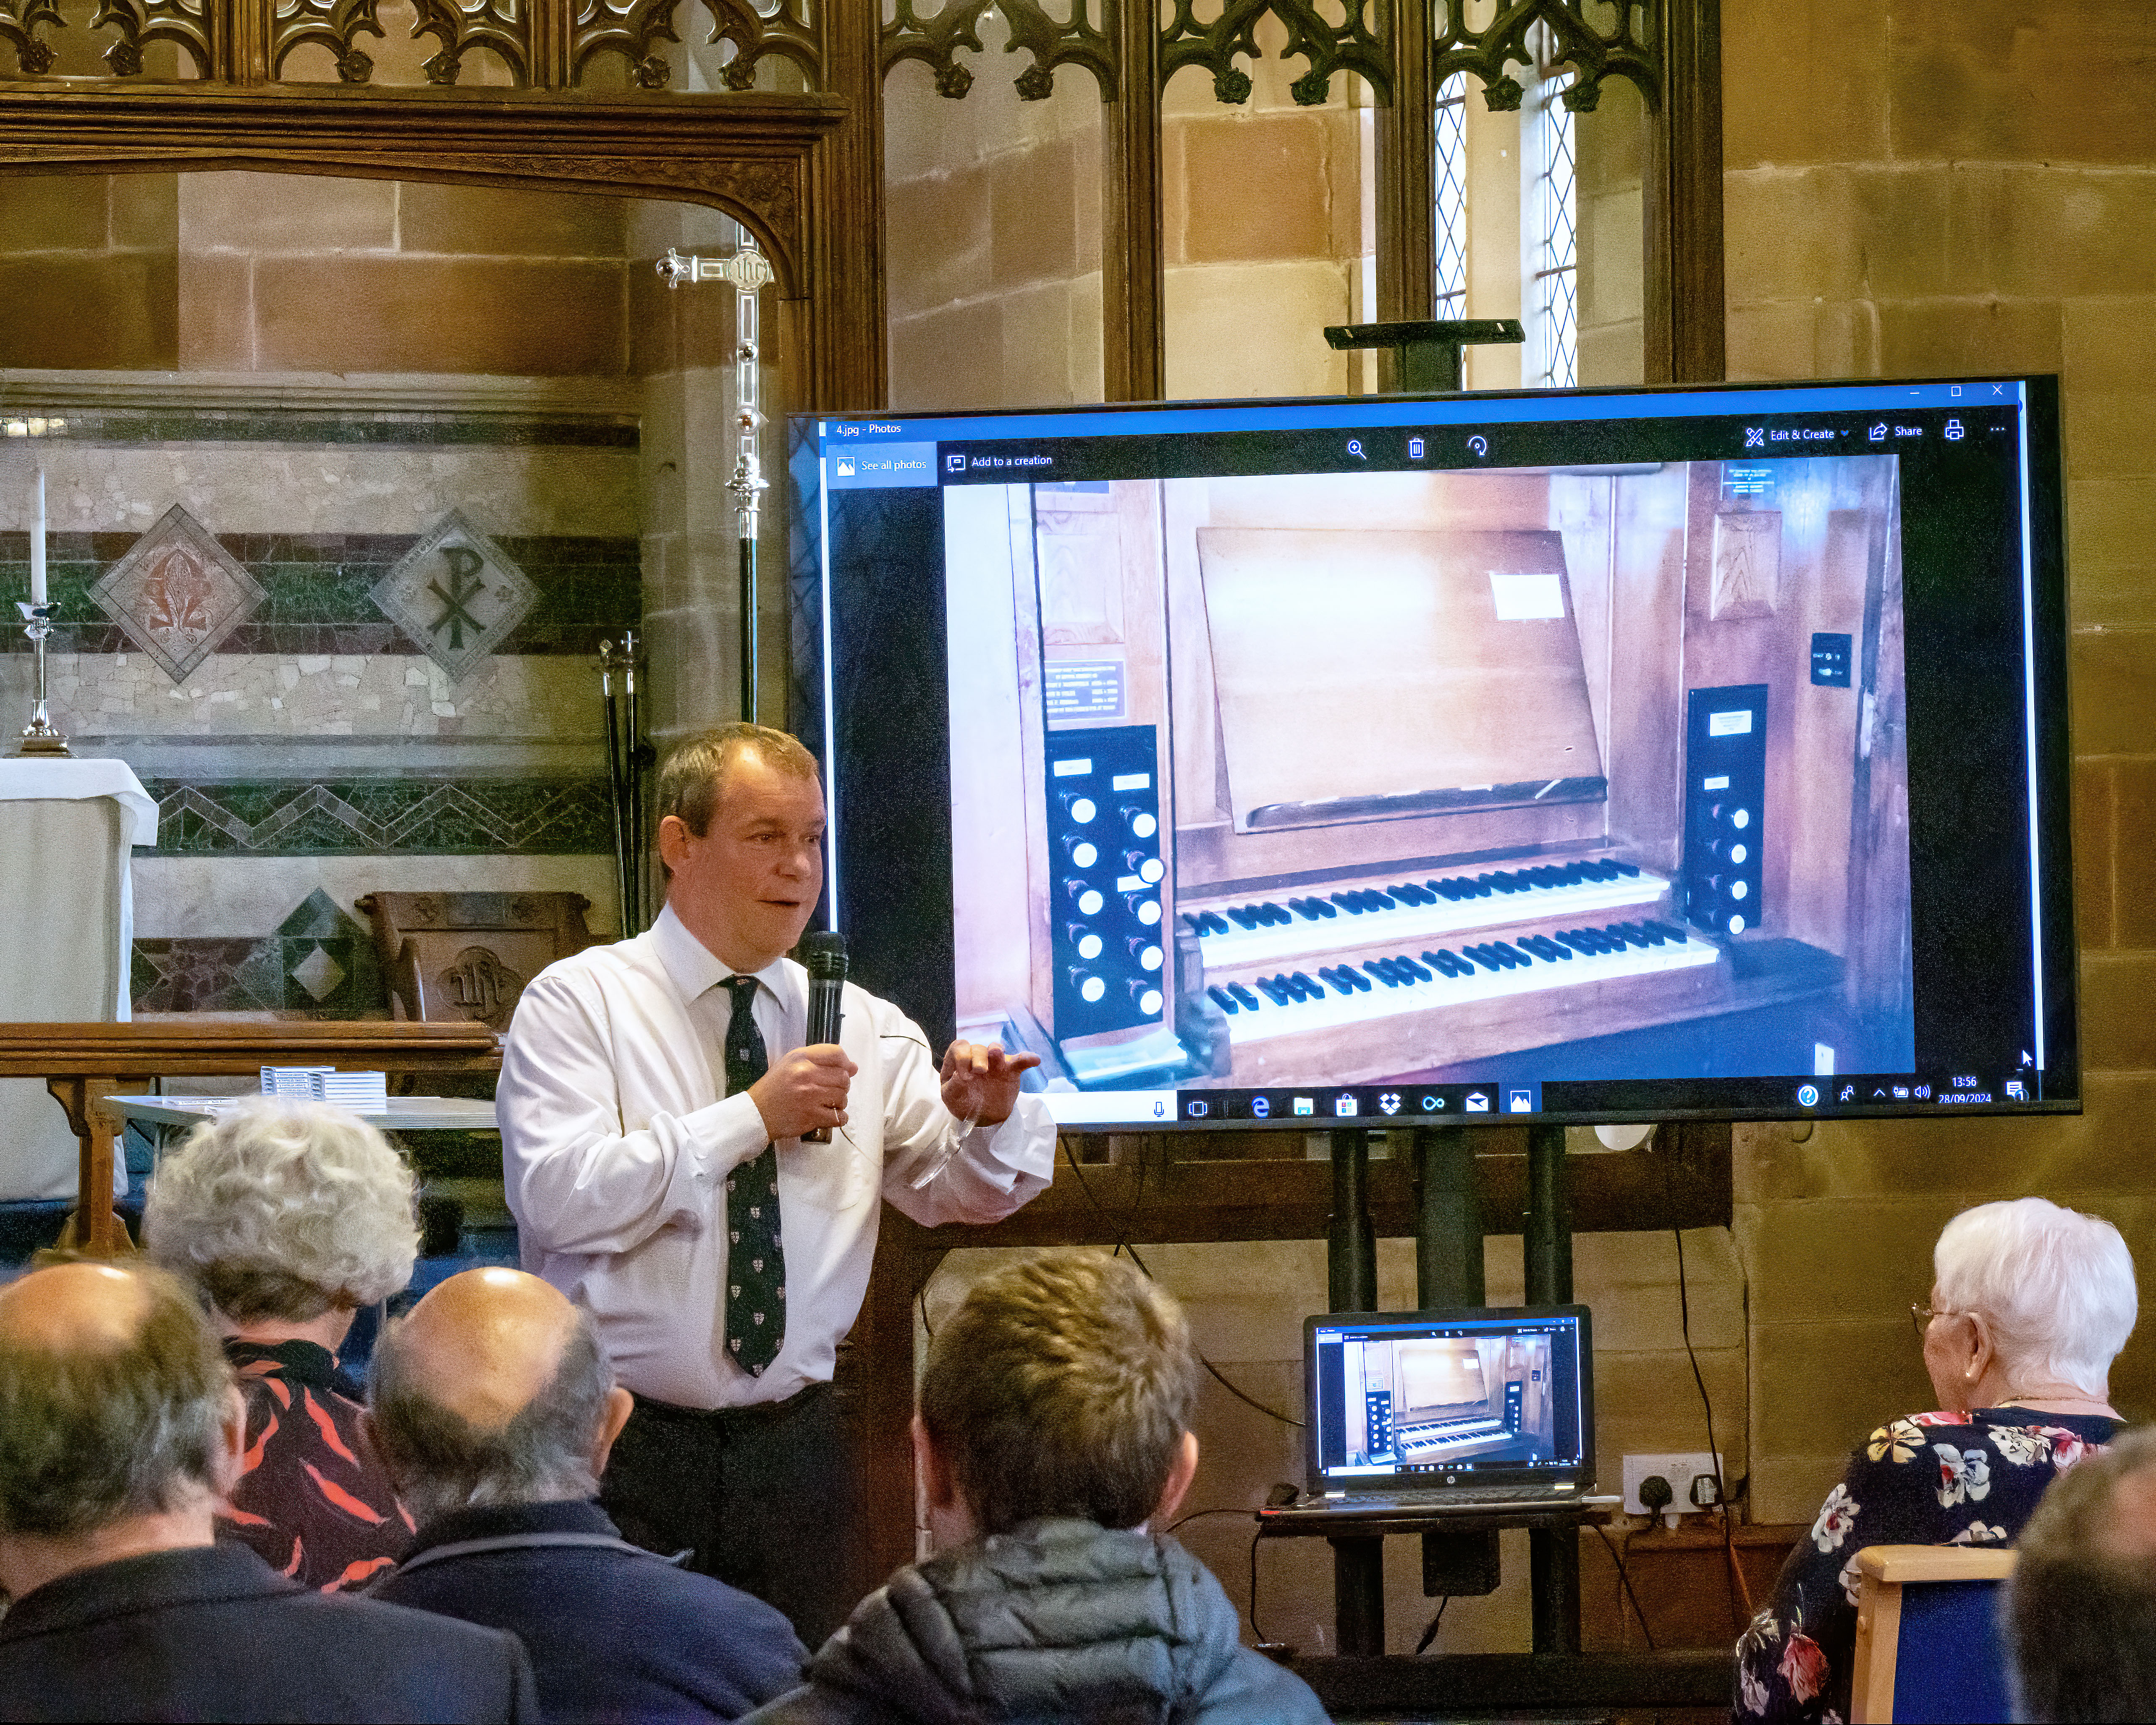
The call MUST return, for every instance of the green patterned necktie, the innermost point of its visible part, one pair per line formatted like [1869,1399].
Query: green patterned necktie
[755,1257]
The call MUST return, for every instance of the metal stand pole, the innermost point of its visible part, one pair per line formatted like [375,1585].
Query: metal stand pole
[1350,1250]
[1449,1233]
[638,838]
[748,270]
[1359,1595]
[617,791]
[748,677]
[1554,1553]
[1448,1272]
[1351,1253]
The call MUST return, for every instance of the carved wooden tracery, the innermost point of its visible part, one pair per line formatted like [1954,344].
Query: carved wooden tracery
[810,184]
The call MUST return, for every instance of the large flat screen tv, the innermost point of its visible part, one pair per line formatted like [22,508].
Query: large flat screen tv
[1583,755]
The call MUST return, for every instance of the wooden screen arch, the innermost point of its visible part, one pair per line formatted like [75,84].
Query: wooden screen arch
[773,162]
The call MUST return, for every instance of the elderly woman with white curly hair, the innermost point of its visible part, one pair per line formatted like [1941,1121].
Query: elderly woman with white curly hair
[2029,1306]
[290,1217]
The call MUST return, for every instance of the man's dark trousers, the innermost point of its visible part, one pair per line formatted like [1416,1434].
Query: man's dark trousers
[764,1497]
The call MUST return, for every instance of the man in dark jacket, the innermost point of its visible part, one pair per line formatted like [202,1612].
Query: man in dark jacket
[1053,1434]
[119,1430]
[493,1408]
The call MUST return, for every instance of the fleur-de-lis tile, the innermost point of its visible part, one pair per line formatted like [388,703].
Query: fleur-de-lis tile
[177,593]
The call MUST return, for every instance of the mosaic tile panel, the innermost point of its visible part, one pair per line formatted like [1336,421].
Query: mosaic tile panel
[455,594]
[379,817]
[318,592]
[320,963]
[177,593]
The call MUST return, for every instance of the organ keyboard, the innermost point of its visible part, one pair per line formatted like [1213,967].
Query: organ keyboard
[1287,925]
[1450,1440]
[1348,983]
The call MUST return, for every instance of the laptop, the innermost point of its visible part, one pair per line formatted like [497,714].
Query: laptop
[1477,1411]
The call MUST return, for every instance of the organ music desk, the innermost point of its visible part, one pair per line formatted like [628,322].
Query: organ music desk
[1445,1187]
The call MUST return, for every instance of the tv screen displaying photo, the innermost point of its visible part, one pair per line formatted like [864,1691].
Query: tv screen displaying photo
[1570,756]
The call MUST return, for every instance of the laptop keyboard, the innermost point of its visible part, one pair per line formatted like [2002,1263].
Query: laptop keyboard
[1447,1498]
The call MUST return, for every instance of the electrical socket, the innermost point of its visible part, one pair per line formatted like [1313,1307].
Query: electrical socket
[1680,1471]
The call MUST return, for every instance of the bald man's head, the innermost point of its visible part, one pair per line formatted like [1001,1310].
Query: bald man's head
[75,1308]
[494,1390]
[113,1396]
[485,1344]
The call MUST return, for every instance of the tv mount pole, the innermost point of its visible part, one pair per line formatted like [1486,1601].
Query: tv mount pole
[1448,1272]
[748,270]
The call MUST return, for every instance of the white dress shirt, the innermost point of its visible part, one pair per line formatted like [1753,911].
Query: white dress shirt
[617,1138]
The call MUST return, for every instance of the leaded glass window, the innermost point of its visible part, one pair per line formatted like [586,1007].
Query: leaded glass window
[1451,178]
[1552,248]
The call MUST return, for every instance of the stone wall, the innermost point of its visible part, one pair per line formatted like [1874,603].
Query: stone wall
[279,272]
[993,222]
[1269,219]
[1915,189]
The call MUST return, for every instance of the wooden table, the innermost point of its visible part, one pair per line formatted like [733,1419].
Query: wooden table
[405,1114]
[84,1066]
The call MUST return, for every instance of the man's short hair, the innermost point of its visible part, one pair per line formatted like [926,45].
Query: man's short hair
[281,1209]
[95,1433]
[695,776]
[1062,1387]
[2081,1607]
[441,1461]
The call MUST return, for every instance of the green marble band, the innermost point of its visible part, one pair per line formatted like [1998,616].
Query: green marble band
[319,587]
[383,817]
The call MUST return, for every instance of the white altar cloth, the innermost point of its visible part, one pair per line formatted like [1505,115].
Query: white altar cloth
[67,934]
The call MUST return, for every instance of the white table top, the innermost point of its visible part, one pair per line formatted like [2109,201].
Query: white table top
[407,1114]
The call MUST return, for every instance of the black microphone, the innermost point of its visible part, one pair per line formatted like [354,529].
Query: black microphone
[825,957]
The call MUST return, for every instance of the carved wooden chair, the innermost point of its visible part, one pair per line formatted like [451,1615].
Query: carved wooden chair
[469,955]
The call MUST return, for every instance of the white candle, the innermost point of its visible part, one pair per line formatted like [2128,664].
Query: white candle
[37,543]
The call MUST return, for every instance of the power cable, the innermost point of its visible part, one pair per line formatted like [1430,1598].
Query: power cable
[1429,1634]
[1739,1590]
[1123,1245]
[1627,1580]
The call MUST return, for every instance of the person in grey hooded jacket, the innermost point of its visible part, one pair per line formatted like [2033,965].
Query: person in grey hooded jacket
[1054,1434]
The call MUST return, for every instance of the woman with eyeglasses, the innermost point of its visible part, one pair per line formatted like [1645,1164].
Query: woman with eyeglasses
[2029,1306]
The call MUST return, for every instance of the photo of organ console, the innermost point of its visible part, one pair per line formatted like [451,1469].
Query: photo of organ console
[1446,1403]
[1395,777]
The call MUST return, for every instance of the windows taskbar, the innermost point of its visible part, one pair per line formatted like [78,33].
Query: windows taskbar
[1378,1106]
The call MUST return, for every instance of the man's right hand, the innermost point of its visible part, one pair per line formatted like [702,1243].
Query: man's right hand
[804,1091]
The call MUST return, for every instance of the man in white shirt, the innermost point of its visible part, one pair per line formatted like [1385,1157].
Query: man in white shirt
[652,1098]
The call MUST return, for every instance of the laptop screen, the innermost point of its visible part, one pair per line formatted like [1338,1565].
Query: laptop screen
[1422,1398]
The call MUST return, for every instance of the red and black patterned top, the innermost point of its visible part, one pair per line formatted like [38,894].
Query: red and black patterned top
[313,1501]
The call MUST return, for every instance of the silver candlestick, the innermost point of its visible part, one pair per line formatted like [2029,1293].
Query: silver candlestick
[39,737]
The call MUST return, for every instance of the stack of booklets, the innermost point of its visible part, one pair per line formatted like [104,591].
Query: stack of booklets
[362,1092]
[297,1082]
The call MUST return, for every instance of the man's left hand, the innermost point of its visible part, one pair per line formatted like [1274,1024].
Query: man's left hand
[981,1081]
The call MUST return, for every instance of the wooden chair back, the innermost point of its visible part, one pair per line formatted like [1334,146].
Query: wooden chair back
[447,956]
[1928,1642]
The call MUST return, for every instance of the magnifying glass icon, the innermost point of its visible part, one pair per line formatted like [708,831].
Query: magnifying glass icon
[1355,447]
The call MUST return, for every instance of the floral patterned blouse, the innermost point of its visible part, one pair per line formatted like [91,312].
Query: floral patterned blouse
[313,1502]
[1931,1479]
